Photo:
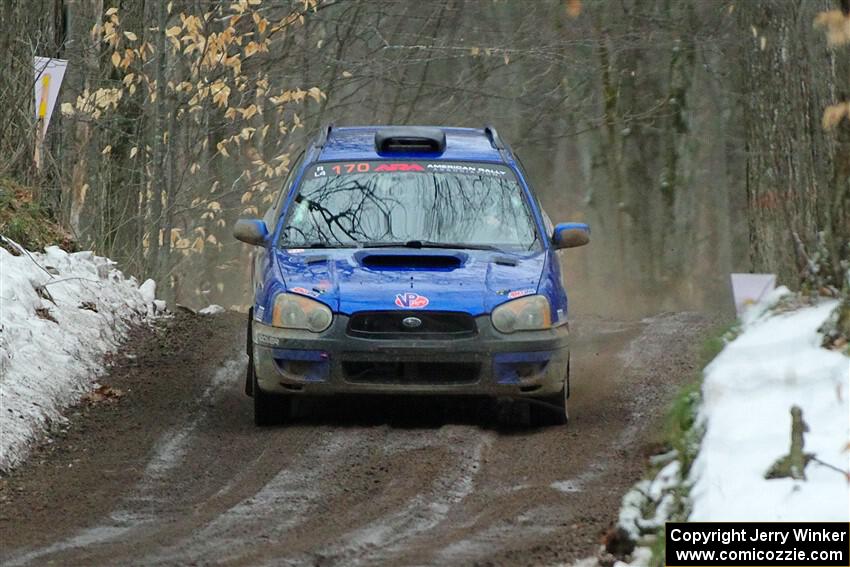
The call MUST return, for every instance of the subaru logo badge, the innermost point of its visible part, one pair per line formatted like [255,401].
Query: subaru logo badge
[411,322]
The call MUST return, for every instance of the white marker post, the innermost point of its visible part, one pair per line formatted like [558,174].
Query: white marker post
[48,78]
[750,288]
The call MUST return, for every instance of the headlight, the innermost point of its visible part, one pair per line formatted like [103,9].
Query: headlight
[529,313]
[293,311]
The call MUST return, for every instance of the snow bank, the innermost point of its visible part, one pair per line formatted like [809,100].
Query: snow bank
[211,310]
[748,391]
[747,394]
[59,314]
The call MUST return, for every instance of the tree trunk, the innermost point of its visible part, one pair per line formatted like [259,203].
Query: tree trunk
[792,163]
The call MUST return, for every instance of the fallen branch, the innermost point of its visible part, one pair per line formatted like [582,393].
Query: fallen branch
[23,250]
[833,467]
[45,284]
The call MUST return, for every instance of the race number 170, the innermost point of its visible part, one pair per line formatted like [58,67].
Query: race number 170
[350,168]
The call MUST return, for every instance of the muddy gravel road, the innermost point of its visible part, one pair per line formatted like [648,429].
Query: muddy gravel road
[173,471]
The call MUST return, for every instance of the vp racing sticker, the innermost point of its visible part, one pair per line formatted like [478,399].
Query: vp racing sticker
[411,300]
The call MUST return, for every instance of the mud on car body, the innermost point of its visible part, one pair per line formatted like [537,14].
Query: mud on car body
[409,260]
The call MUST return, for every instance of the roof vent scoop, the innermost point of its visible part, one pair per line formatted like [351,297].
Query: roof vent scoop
[410,139]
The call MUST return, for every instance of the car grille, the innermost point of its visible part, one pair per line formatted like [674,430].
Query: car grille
[410,372]
[391,325]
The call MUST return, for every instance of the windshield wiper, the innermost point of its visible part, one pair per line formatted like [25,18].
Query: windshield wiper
[430,244]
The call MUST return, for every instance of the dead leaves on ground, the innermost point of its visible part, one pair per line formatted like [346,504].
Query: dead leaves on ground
[103,394]
[44,313]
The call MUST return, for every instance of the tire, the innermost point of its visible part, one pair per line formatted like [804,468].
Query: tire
[269,409]
[550,410]
[249,348]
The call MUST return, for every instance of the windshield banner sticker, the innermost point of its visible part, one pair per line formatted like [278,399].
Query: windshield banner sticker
[411,300]
[365,167]
[354,168]
[399,167]
[463,168]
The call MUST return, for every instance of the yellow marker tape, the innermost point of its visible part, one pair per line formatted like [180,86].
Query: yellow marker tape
[45,89]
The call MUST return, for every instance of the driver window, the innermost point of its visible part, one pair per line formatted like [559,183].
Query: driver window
[271,216]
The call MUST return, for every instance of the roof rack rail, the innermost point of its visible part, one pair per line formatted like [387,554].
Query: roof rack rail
[493,136]
[414,139]
[323,135]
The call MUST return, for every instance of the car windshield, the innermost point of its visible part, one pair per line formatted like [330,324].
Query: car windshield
[417,204]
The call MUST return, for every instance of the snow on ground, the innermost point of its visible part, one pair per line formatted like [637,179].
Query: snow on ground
[212,310]
[59,314]
[748,391]
[747,394]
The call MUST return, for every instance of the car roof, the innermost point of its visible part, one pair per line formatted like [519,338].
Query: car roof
[358,143]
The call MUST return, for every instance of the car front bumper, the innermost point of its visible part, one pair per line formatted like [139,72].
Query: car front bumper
[521,364]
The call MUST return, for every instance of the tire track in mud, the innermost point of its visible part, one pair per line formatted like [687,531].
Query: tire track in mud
[353,481]
[135,512]
[288,499]
[279,505]
[386,536]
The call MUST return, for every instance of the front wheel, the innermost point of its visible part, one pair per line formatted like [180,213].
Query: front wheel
[269,409]
[550,410]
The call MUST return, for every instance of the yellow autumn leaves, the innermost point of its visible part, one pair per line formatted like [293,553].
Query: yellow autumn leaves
[211,65]
[93,103]
[197,81]
[836,25]
[194,242]
[834,114]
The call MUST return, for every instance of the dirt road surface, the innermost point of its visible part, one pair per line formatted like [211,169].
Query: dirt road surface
[173,472]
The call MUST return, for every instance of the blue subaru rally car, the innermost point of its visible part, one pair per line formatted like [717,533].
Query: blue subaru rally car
[408,260]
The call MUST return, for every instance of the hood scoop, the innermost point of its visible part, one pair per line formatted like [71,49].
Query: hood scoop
[506,261]
[410,261]
[316,259]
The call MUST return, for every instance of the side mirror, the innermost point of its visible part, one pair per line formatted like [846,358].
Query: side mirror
[570,235]
[251,231]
